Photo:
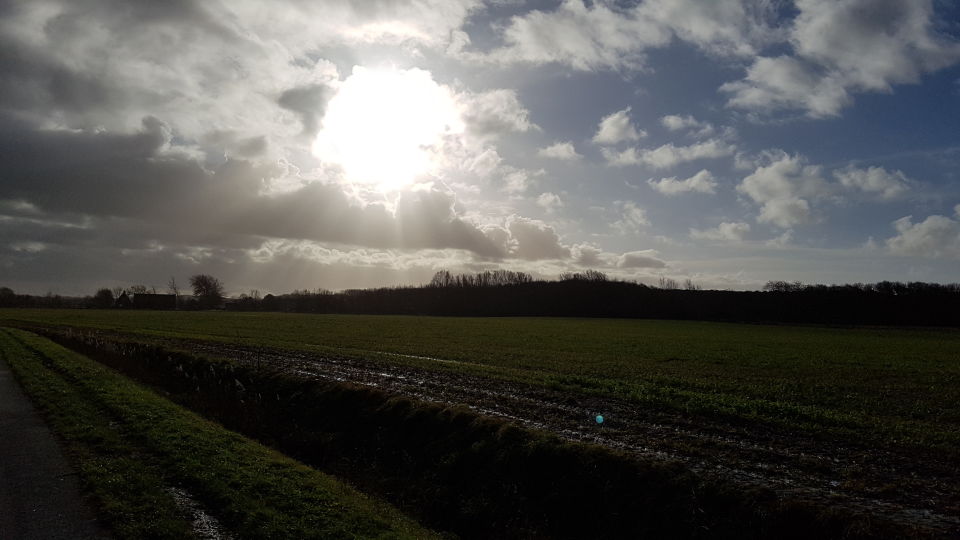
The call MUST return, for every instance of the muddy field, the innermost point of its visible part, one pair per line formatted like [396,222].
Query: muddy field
[904,485]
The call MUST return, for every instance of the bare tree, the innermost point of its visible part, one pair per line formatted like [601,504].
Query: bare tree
[668,283]
[173,287]
[689,285]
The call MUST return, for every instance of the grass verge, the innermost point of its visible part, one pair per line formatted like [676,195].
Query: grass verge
[130,445]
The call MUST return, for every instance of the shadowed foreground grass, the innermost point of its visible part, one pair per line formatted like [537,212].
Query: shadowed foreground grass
[130,446]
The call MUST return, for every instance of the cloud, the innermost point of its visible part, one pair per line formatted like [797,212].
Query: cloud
[584,38]
[737,28]
[725,232]
[841,47]
[702,182]
[632,218]
[935,237]
[874,180]
[398,23]
[518,181]
[550,202]
[783,189]
[783,240]
[616,127]
[669,155]
[495,112]
[564,151]
[534,240]
[697,128]
[590,36]
[309,102]
[588,256]
[647,258]
[141,177]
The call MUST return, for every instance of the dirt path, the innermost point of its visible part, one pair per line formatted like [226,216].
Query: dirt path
[39,492]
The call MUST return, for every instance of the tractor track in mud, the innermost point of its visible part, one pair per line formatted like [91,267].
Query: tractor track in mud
[917,489]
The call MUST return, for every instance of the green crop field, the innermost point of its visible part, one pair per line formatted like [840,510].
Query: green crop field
[895,386]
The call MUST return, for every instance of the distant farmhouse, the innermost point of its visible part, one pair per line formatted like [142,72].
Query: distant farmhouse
[123,301]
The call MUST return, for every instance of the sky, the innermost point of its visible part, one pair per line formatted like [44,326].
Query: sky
[336,144]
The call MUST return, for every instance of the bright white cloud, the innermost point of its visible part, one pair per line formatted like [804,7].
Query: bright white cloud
[937,236]
[702,182]
[670,155]
[718,27]
[725,232]
[785,82]
[495,112]
[874,180]
[399,22]
[605,35]
[783,189]
[550,202]
[564,151]
[845,46]
[584,38]
[675,122]
[615,128]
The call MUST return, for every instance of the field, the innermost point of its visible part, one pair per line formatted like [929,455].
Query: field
[902,386]
[141,456]
[869,417]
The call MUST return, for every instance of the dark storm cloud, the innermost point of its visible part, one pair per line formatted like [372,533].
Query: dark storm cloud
[137,177]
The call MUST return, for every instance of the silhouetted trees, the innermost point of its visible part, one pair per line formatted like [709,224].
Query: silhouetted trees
[584,294]
[594,276]
[207,289]
[783,286]
[592,294]
[496,278]
[103,299]
[8,298]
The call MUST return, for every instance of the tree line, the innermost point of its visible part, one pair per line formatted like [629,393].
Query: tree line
[594,294]
[580,294]
[208,293]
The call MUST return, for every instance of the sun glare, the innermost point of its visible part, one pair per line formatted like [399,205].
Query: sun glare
[382,125]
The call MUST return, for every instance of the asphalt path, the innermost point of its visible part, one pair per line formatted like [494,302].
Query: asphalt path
[39,491]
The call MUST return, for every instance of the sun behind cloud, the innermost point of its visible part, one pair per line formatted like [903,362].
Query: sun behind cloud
[383,124]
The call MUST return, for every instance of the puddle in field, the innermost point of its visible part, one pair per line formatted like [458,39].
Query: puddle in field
[204,525]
